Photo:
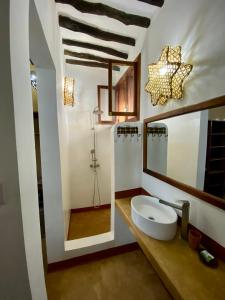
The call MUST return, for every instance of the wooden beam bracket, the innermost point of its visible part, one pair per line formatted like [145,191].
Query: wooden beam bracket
[94,31]
[103,49]
[90,64]
[86,56]
[105,10]
[154,2]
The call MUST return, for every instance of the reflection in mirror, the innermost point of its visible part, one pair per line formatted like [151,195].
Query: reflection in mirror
[123,97]
[103,105]
[190,148]
[157,145]
[123,89]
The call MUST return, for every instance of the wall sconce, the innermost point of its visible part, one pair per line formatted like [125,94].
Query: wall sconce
[69,91]
[165,78]
[33,79]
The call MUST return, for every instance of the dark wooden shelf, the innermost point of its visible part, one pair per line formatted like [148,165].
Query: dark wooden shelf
[214,185]
[216,172]
[218,133]
[217,159]
[214,147]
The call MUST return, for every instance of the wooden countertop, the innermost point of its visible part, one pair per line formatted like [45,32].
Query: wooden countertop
[179,267]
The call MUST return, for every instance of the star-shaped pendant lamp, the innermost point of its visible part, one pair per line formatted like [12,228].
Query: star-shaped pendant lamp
[165,78]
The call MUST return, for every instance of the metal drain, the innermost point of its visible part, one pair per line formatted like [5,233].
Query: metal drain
[151,218]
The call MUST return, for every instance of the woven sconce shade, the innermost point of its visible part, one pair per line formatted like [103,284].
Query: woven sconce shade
[165,78]
[69,91]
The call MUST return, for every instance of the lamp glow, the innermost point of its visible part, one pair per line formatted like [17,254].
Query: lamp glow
[163,70]
[165,79]
[68,91]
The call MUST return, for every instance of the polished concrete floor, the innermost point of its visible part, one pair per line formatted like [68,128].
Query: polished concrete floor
[127,276]
[88,223]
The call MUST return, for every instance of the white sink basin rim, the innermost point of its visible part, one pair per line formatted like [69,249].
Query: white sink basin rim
[153,218]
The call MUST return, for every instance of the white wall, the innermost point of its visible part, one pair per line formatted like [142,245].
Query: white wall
[53,130]
[56,192]
[183,145]
[104,103]
[82,176]
[45,34]
[14,281]
[128,157]
[193,25]
[157,148]
[217,113]
[80,122]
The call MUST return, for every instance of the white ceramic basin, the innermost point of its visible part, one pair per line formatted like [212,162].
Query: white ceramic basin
[153,218]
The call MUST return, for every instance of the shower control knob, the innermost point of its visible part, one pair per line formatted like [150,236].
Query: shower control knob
[94,166]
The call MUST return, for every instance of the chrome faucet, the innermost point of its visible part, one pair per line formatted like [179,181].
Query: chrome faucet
[184,206]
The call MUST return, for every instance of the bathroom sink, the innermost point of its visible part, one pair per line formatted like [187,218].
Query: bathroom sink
[153,218]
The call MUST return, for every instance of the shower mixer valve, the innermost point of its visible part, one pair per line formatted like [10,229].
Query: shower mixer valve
[94,160]
[94,165]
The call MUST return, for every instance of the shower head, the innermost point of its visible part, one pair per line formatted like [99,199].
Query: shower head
[97,111]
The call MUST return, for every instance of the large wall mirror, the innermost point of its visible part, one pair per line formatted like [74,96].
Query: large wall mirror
[186,148]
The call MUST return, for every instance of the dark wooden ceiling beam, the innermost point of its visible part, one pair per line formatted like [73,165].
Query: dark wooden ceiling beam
[94,31]
[103,49]
[86,56]
[105,10]
[154,2]
[90,64]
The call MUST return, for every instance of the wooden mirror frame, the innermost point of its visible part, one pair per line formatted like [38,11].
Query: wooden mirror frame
[212,103]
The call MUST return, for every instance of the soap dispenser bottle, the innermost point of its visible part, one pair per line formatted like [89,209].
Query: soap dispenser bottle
[207,258]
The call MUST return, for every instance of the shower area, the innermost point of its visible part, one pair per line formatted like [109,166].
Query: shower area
[90,152]
[94,141]
[91,181]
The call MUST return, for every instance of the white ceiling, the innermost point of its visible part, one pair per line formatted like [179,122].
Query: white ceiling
[108,24]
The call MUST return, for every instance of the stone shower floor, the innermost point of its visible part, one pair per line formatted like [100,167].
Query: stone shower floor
[88,223]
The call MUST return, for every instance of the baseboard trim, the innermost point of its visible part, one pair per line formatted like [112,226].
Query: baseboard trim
[130,193]
[90,208]
[91,257]
[144,192]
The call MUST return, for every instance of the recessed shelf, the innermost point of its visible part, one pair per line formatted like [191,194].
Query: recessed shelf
[215,147]
[216,172]
[218,133]
[214,185]
[217,159]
